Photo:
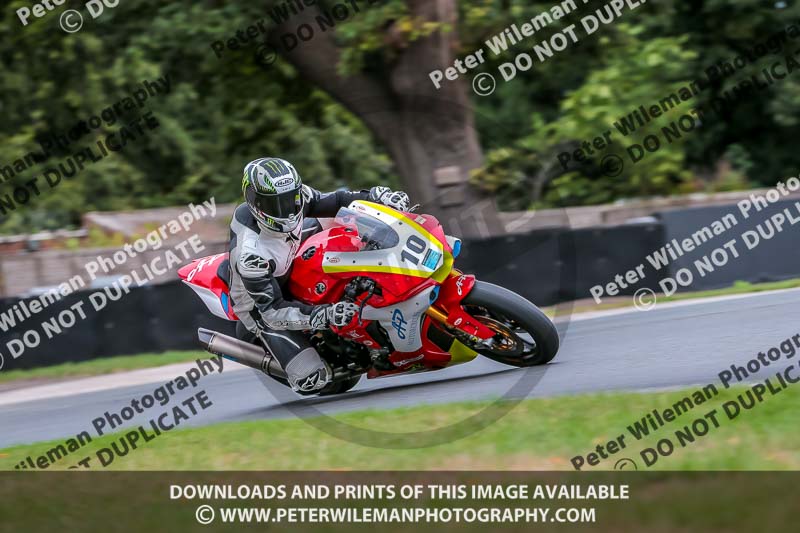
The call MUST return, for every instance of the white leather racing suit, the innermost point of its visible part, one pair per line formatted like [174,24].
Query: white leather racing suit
[261,260]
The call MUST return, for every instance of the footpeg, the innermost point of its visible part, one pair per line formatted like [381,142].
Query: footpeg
[380,360]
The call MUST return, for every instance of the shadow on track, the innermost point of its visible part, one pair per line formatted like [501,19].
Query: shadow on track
[358,396]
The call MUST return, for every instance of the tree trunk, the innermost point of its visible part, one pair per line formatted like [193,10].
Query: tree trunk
[429,133]
[435,154]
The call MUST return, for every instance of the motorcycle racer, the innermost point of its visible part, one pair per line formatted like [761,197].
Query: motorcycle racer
[266,232]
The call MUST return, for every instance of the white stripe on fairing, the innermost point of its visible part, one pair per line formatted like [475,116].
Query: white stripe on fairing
[211,300]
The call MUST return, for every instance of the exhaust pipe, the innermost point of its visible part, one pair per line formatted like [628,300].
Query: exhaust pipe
[241,352]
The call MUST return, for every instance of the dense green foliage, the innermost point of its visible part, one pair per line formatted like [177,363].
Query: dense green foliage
[639,59]
[222,112]
[219,114]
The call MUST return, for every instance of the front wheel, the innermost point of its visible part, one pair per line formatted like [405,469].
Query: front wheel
[524,335]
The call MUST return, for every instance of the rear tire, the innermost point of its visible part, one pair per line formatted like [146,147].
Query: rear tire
[510,314]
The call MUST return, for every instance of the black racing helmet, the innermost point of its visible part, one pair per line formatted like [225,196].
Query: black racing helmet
[273,190]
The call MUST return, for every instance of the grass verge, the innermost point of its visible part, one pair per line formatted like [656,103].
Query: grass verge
[540,434]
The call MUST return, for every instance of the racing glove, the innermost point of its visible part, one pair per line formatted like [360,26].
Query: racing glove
[394,199]
[339,314]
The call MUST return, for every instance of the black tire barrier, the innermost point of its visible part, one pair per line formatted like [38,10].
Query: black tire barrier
[533,264]
[149,319]
[774,259]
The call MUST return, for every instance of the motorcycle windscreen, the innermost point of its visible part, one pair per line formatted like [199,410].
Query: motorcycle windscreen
[375,233]
[392,244]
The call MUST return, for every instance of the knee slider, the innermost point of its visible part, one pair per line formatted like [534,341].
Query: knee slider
[307,372]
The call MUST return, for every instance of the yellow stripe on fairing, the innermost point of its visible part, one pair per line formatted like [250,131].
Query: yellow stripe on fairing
[447,267]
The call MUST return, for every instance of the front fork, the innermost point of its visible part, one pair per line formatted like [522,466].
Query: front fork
[448,310]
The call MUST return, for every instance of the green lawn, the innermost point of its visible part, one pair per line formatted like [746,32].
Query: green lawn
[106,365]
[541,434]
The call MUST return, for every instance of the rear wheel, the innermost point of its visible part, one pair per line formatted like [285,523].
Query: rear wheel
[524,336]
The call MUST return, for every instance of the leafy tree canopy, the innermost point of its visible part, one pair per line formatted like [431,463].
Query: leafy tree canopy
[222,112]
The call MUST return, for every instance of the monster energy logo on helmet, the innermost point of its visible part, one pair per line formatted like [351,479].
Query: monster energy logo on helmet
[273,190]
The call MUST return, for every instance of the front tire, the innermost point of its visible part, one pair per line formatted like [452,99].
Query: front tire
[513,318]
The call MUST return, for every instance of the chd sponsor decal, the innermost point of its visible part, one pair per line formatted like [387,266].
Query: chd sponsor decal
[460,285]
[201,265]
[399,323]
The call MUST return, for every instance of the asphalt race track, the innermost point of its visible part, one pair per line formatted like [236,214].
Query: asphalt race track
[671,345]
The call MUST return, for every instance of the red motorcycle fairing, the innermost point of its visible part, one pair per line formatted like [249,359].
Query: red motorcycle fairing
[310,283]
[202,275]
[454,289]
[307,281]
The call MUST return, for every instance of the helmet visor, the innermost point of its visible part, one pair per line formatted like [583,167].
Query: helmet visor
[280,205]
